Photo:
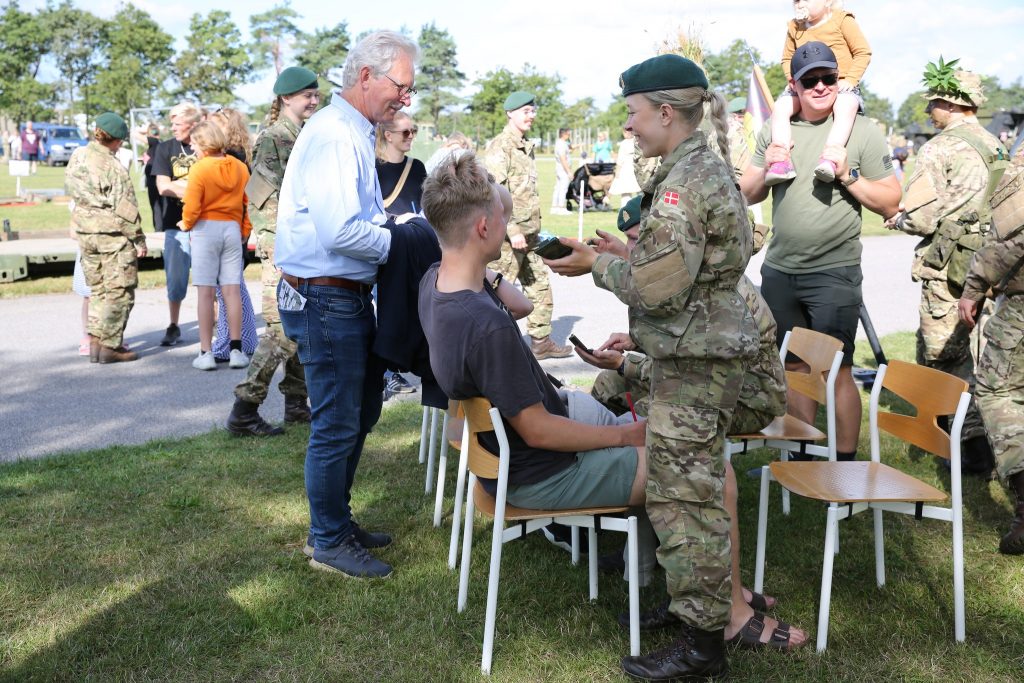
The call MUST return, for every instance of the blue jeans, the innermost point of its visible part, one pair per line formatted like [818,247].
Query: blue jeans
[177,263]
[334,333]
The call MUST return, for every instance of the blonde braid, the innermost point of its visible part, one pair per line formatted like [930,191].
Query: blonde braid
[275,111]
[717,109]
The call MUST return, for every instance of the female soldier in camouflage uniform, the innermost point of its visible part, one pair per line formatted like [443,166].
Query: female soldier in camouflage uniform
[685,313]
[297,100]
[106,218]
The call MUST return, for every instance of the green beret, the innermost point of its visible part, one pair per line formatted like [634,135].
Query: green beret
[664,72]
[113,125]
[518,99]
[629,214]
[737,104]
[293,79]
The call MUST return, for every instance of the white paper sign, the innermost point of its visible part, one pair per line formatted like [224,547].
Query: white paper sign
[18,167]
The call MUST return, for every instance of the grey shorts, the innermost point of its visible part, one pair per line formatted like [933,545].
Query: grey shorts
[216,253]
[599,478]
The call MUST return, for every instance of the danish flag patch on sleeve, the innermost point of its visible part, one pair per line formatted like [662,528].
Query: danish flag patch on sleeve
[671,198]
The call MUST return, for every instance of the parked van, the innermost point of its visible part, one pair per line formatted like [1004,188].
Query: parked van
[57,141]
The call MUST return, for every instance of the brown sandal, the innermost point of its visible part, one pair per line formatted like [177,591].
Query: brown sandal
[749,637]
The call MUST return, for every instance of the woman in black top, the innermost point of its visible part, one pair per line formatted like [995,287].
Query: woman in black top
[401,177]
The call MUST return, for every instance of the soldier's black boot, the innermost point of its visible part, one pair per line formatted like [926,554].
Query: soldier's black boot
[976,456]
[296,409]
[698,654]
[94,349]
[245,420]
[1013,542]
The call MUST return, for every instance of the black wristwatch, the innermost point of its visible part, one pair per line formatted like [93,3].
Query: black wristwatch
[854,177]
[622,368]
[497,281]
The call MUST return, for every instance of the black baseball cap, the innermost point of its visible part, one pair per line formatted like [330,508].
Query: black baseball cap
[813,55]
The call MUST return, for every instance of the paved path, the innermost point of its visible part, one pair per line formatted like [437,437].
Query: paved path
[52,400]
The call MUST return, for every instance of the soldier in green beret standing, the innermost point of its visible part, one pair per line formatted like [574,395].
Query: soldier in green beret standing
[680,284]
[998,270]
[296,100]
[946,201]
[509,158]
[106,220]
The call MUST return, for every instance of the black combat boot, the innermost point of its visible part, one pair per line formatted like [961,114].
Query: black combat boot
[296,409]
[697,654]
[976,457]
[245,420]
[1013,542]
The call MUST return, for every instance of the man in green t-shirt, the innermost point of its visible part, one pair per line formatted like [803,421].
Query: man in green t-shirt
[811,275]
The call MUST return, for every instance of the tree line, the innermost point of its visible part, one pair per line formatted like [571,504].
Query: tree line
[129,61]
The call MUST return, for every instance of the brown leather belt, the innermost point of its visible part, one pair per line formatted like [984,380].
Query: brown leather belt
[327,281]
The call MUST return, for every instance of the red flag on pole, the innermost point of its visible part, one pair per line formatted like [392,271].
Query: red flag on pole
[759,106]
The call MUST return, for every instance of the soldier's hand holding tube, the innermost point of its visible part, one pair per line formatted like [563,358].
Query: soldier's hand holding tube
[518,242]
[579,262]
[968,310]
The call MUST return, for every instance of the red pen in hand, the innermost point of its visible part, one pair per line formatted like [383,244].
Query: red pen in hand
[629,400]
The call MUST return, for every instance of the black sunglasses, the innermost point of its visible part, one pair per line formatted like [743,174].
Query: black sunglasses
[810,81]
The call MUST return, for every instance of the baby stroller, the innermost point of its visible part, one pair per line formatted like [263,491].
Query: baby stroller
[596,178]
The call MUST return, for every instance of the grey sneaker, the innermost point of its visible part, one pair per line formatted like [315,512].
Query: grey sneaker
[350,558]
[171,336]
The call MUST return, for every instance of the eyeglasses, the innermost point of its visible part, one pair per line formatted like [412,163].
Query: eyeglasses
[403,90]
[407,132]
[810,81]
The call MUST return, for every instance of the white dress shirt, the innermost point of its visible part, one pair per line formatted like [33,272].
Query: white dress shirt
[330,208]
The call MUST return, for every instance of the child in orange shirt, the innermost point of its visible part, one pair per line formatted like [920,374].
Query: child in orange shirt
[216,212]
[826,22]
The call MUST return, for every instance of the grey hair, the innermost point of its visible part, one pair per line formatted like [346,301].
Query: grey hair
[377,51]
[690,103]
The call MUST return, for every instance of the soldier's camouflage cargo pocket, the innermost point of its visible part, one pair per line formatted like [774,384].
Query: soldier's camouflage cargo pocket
[683,458]
[127,267]
[1003,352]
[660,273]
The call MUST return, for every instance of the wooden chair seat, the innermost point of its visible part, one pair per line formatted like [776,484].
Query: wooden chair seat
[785,428]
[853,482]
[485,503]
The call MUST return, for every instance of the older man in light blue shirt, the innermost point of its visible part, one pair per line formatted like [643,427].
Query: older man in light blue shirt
[329,244]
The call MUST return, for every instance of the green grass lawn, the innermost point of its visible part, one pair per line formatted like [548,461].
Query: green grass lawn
[180,560]
[53,215]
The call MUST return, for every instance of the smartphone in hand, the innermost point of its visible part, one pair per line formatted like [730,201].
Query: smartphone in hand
[552,248]
[575,341]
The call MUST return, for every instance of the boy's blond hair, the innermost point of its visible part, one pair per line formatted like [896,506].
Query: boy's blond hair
[454,195]
[208,137]
[187,111]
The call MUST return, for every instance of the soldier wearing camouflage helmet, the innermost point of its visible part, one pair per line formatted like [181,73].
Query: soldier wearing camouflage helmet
[296,100]
[996,271]
[509,158]
[680,284]
[109,232]
[946,202]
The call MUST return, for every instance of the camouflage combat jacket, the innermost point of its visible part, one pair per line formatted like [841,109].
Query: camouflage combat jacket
[680,280]
[270,158]
[104,197]
[948,192]
[509,157]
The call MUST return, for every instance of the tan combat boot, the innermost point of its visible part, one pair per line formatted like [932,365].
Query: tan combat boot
[94,349]
[118,355]
[546,348]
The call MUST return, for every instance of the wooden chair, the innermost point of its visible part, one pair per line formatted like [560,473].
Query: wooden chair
[481,417]
[853,487]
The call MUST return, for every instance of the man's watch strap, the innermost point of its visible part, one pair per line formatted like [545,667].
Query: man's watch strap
[854,177]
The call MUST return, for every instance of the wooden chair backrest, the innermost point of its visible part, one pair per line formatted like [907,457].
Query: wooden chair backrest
[932,393]
[818,351]
[480,461]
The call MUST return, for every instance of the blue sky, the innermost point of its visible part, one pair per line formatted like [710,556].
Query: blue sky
[590,43]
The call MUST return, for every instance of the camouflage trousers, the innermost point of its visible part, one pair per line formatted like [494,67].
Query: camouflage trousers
[532,274]
[1000,392]
[111,269]
[610,391]
[274,347]
[692,403]
[944,343]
